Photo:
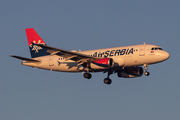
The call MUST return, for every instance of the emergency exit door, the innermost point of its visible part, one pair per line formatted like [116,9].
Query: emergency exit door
[51,63]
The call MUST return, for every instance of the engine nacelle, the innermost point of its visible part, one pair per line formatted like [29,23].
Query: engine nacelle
[131,72]
[102,63]
[118,62]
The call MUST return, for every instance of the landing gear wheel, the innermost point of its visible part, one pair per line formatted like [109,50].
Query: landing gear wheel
[87,75]
[147,73]
[146,67]
[107,81]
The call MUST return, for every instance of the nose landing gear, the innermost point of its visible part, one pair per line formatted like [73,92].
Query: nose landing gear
[146,67]
[147,73]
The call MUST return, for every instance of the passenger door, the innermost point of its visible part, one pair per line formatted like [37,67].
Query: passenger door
[142,50]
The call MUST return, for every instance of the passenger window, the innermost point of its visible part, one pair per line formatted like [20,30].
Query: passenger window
[152,49]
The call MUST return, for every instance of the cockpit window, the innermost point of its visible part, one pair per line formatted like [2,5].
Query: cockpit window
[156,48]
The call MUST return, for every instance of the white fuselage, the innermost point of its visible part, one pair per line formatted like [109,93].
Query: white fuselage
[125,56]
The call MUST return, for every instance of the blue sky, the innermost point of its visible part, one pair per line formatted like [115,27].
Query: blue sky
[28,93]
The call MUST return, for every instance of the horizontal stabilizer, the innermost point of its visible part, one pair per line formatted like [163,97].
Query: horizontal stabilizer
[26,59]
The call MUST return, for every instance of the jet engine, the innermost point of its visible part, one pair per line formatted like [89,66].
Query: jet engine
[102,63]
[130,72]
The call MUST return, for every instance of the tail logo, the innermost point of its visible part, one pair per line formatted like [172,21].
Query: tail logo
[35,47]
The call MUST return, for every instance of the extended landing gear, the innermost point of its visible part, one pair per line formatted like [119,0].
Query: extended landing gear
[108,80]
[87,75]
[146,72]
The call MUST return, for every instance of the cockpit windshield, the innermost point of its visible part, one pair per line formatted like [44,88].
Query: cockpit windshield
[156,48]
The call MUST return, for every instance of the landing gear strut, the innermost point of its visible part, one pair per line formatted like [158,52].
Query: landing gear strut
[146,67]
[87,74]
[108,80]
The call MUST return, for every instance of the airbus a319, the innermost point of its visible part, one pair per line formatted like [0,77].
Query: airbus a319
[126,61]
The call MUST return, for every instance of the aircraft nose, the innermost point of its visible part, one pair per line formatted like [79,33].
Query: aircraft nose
[166,55]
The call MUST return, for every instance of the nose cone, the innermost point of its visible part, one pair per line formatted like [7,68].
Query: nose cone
[165,55]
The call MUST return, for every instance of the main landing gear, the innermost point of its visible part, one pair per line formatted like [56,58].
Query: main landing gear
[146,72]
[106,80]
[87,75]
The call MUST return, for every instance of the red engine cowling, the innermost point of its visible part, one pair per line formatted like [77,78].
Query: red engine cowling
[101,63]
[130,72]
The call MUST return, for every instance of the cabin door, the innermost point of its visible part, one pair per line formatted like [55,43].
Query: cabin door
[142,50]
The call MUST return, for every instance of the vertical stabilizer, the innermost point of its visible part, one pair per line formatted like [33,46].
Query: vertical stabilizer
[33,37]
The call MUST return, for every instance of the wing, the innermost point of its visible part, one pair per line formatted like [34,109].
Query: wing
[75,56]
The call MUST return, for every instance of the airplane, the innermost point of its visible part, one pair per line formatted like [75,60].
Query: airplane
[126,61]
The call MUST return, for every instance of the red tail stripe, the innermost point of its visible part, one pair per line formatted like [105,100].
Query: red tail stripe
[32,36]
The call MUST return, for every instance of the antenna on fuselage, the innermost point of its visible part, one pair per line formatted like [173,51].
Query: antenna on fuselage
[144,43]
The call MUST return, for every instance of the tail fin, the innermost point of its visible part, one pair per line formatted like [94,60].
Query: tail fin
[33,37]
